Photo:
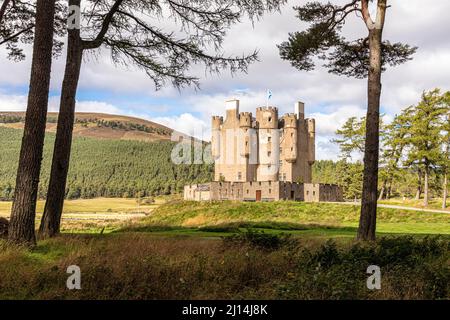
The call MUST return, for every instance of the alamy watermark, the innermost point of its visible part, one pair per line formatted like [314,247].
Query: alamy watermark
[74,280]
[374,280]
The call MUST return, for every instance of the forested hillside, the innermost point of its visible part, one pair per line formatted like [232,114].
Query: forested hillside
[105,167]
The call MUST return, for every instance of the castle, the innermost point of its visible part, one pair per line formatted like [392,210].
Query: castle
[263,158]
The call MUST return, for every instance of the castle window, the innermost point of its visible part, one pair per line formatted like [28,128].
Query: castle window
[270,183]
[269,166]
[307,193]
[269,139]
[269,153]
[281,150]
[284,176]
[292,148]
[292,134]
[270,119]
[247,191]
[270,190]
[239,176]
[314,193]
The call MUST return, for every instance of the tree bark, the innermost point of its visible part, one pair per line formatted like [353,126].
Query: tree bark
[425,186]
[3,9]
[389,190]
[367,222]
[419,184]
[445,191]
[382,191]
[22,224]
[50,224]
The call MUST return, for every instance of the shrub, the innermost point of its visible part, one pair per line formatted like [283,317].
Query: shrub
[4,224]
[260,239]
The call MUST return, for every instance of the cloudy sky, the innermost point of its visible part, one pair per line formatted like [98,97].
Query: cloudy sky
[328,98]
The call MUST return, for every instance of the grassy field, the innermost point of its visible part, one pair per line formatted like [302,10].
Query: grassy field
[231,250]
[308,219]
[432,203]
[93,215]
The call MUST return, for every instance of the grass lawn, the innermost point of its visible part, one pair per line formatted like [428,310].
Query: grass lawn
[432,203]
[298,218]
[192,250]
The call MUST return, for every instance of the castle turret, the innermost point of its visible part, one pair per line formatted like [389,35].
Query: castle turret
[245,123]
[290,137]
[267,120]
[215,136]
[311,140]
[267,117]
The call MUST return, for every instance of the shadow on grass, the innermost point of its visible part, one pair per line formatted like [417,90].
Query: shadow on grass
[234,227]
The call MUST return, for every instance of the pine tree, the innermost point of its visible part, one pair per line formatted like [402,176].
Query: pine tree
[362,58]
[125,28]
[424,136]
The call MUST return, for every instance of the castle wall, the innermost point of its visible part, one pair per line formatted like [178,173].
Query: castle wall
[262,191]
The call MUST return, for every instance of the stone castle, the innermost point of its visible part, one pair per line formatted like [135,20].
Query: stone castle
[263,158]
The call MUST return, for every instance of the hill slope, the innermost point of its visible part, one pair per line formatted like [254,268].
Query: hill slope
[99,125]
[105,168]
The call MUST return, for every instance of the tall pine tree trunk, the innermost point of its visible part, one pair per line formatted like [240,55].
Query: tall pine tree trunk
[389,190]
[22,224]
[445,191]
[367,221]
[425,185]
[419,184]
[50,224]
[383,190]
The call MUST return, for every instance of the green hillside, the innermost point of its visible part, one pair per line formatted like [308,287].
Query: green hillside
[105,167]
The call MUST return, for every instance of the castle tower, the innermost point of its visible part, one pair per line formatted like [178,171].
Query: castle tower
[216,125]
[297,146]
[252,149]
[268,143]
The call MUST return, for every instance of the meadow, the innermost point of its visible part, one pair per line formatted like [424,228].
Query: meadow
[231,250]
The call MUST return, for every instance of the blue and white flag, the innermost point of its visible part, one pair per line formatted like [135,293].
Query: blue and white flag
[269,94]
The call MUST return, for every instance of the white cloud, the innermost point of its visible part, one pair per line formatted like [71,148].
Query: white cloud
[188,124]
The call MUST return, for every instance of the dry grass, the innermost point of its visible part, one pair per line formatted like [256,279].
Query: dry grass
[138,266]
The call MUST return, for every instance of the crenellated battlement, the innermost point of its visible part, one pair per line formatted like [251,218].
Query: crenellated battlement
[290,120]
[311,125]
[267,117]
[271,109]
[245,119]
[217,121]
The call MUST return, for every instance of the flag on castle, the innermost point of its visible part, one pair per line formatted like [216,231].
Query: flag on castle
[269,95]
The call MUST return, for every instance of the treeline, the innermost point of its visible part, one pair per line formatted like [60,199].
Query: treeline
[414,150]
[349,175]
[105,168]
[127,126]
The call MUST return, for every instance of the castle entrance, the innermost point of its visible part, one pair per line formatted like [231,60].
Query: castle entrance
[258,195]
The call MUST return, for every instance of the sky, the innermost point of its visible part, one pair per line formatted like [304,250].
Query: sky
[328,98]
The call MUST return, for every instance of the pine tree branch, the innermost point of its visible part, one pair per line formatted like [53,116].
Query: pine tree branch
[97,42]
